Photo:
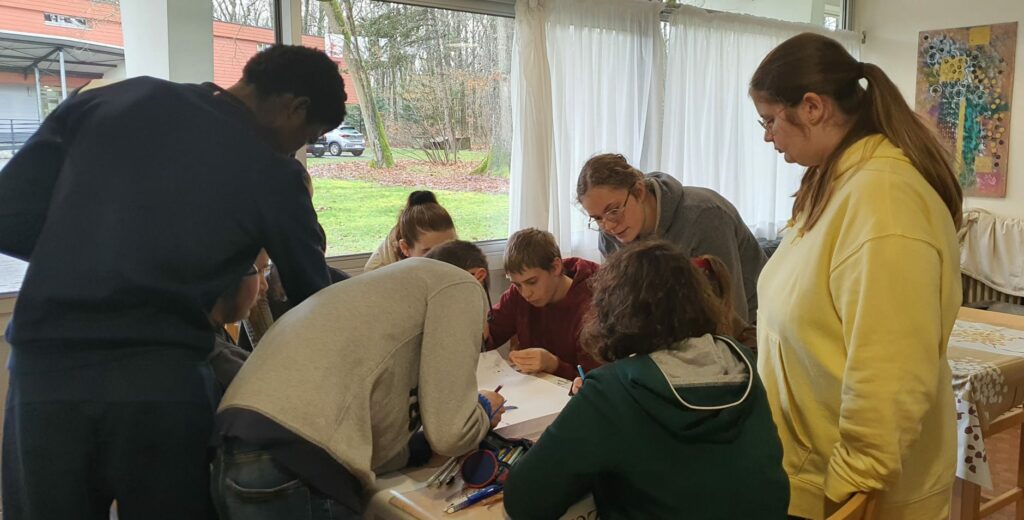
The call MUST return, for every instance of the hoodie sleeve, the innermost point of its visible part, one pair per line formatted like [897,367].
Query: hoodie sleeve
[27,184]
[561,468]
[887,296]
[453,419]
[292,233]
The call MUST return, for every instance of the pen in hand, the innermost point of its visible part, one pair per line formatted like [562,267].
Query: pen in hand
[579,369]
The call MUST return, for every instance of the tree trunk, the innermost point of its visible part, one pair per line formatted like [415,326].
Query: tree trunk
[498,157]
[376,138]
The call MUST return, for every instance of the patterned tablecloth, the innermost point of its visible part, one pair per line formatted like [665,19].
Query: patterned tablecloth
[986,354]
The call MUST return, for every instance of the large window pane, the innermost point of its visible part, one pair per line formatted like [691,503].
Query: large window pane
[34,34]
[437,89]
[241,28]
[818,12]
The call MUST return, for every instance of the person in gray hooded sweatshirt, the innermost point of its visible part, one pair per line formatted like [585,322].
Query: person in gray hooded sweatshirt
[338,388]
[676,425]
[625,205]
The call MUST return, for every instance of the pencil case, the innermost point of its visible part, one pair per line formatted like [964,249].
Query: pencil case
[491,463]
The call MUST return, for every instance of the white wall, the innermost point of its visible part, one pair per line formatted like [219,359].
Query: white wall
[18,102]
[892,27]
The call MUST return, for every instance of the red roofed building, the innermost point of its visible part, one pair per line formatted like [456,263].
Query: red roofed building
[33,34]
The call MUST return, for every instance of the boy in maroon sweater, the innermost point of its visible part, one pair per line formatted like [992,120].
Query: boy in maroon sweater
[544,307]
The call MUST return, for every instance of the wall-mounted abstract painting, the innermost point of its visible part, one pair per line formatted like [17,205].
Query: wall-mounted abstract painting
[964,86]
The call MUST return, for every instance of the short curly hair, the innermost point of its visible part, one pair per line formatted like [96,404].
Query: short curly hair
[300,71]
[646,298]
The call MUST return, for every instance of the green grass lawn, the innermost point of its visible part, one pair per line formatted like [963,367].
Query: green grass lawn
[467,156]
[357,215]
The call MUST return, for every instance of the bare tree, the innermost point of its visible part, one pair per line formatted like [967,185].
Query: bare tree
[314,18]
[498,157]
[255,13]
[377,139]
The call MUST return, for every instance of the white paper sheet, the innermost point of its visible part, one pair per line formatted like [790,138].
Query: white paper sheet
[532,396]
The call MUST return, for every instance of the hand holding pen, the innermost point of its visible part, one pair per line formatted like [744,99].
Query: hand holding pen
[578,382]
[497,402]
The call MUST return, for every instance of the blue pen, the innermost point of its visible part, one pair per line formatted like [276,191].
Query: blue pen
[579,368]
[474,497]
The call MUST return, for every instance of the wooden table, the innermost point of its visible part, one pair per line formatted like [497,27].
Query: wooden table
[987,361]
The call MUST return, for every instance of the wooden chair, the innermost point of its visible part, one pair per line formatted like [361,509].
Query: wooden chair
[860,507]
[968,501]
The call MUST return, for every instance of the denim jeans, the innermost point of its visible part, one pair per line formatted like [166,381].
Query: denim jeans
[247,484]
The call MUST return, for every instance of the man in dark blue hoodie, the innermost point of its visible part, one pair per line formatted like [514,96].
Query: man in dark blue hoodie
[136,205]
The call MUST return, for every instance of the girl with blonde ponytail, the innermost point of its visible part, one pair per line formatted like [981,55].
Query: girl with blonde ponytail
[858,301]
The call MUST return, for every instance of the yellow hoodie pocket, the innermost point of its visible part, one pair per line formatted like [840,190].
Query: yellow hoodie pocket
[785,402]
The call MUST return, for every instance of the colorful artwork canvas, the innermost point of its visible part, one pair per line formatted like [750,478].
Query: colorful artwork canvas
[964,86]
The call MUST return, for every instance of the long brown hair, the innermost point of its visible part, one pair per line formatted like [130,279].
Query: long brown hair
[814,63]
[720,281]
[646,298]
[421,214]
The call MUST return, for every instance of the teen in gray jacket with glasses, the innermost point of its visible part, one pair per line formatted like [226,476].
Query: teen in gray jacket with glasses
[626,205]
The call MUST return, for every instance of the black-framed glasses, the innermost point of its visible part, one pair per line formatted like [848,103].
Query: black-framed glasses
[614,215]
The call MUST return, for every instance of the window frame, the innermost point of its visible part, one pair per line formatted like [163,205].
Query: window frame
[66,21]
[353,263]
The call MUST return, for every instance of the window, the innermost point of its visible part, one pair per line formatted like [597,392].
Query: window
[241,28]
[820,12]
[440,92]
[37,33]
[61,20]
[832,22]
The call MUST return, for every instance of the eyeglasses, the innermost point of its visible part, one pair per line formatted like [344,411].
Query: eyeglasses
[769,124]
[256,270]
[614,216]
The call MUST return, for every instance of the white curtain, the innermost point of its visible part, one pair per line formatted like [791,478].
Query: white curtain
[711,136]
[595,76]
[604,77]
[532,166]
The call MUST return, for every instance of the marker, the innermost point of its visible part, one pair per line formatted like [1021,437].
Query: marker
[473,498]
[512,460]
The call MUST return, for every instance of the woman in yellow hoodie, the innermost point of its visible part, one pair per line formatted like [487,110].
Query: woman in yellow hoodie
[858,302]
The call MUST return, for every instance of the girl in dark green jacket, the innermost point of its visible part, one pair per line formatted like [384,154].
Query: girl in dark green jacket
[676,425]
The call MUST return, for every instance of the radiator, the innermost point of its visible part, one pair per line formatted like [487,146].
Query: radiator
[976,291]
